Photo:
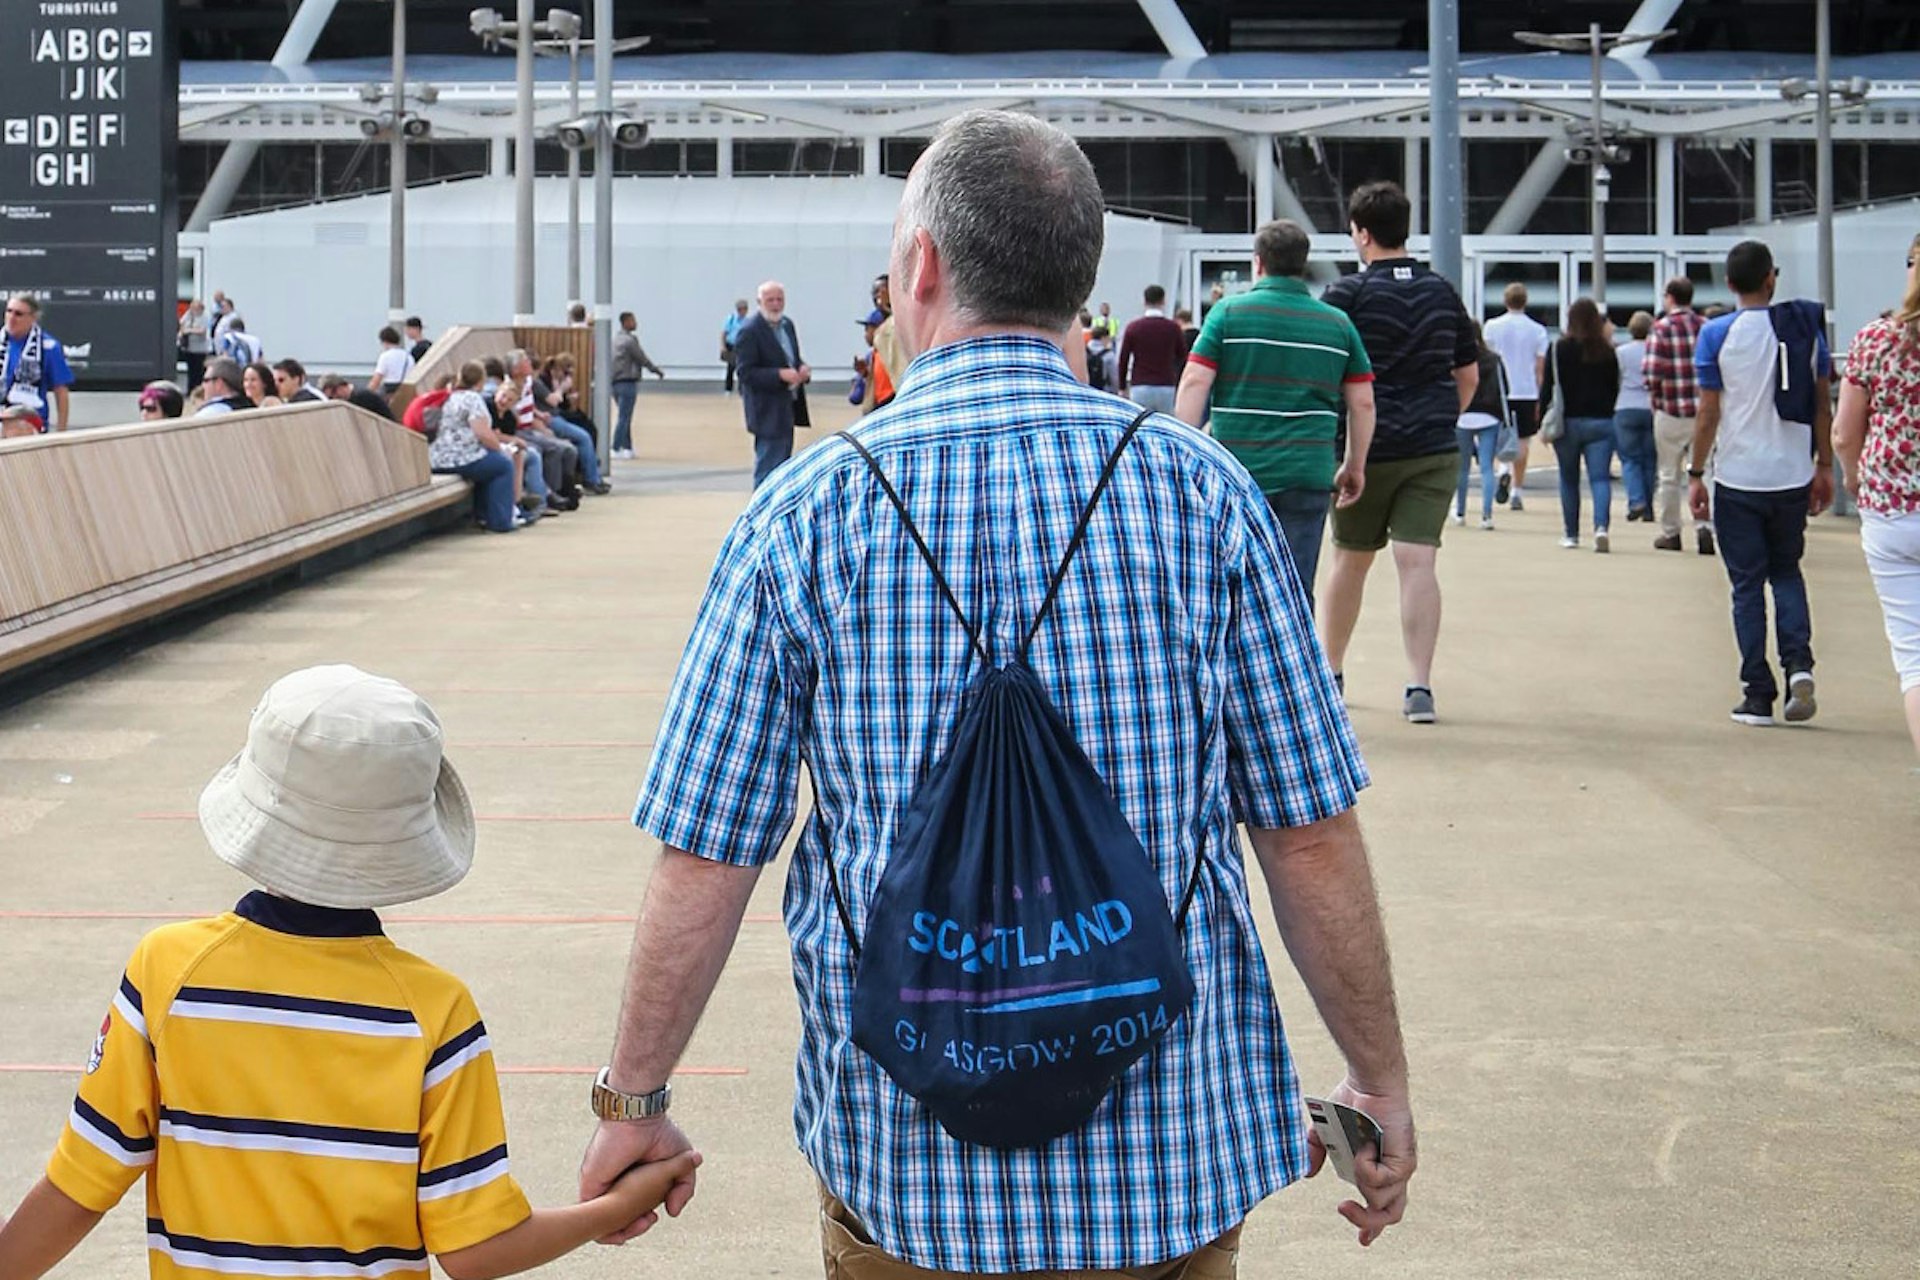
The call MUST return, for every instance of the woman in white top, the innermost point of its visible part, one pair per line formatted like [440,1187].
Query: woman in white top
[1633,421]
[466,445]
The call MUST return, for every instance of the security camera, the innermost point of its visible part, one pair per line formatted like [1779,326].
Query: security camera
[370,127]
[578,134]
[630,133]
[417,127]
[563,24]
[485,22]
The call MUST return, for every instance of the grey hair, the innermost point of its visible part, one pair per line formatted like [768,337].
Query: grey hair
[1014,208]
[514,357]
[28,300]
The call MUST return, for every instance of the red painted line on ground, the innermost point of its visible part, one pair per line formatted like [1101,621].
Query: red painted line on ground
[185,816]
[482,918]
[635,744]
[594,1071]
[583,691]
[60,1069]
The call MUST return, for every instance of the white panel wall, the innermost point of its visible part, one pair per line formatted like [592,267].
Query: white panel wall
[312,282]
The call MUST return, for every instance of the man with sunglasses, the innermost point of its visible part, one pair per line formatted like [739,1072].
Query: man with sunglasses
[35,374]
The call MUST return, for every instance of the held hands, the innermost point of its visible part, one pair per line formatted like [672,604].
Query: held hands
[617,1146]
[1349,483]
[791,377]
[1382,1175]
[806,373]
[645,1187]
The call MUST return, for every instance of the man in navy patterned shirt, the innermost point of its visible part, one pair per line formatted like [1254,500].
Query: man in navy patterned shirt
[1180,650]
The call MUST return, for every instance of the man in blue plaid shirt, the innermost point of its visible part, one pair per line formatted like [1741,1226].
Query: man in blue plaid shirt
[1182,654]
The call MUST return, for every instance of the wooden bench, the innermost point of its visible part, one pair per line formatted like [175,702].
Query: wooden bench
[108,528]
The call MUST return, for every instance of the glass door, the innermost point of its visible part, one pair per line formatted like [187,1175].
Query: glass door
[1633,284]
[1543,275]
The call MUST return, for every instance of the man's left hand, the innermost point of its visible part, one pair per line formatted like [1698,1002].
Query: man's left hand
[1381,1174]
[1820,496]
[806,373]
[1349,483]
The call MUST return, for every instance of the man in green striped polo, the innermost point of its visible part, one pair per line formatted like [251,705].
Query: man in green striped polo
[1274,366]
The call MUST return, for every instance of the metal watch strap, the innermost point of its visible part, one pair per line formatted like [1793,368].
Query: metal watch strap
[610,1103]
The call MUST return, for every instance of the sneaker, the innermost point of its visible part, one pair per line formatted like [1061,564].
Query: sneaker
[601,490]
[1486,522]
[1601,543]
[1505,490]
[1754,711]
[1639,513]
[1459,519]
[1569,544]
[1515,504]
[1667,542]
[1800,701]
[1705,536]
[1417,705]
[623,455]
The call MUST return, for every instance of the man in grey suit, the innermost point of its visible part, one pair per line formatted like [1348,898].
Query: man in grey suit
[773,380]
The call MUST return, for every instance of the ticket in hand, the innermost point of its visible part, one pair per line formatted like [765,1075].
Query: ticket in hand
[1345,1132]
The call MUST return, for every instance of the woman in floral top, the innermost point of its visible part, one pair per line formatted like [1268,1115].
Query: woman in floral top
[1877,436]
[467,446]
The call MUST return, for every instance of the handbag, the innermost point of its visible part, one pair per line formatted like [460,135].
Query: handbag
[1553,418]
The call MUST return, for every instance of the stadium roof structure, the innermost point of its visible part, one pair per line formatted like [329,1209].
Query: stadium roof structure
[889,95]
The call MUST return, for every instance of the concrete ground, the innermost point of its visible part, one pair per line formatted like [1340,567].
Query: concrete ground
[1659,973]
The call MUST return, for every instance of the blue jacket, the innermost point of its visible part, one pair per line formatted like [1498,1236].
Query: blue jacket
[773,408]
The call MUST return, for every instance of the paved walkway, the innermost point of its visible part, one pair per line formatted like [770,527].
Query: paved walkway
[1659,972]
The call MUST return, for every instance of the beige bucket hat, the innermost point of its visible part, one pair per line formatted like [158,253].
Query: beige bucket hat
[343,796]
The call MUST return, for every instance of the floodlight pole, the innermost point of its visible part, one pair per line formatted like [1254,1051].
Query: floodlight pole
[1823,150]
[397,174]
[1598,174]
[523,167]
[1444,227]
[573,175]
[603,227]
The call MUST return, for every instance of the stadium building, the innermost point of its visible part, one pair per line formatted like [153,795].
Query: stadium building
[778,133]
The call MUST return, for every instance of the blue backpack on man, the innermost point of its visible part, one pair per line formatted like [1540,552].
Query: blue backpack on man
[1800,325]
[1020,955]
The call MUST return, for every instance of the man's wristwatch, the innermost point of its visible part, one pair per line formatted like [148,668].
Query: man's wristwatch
[1694,473]
[611,1104]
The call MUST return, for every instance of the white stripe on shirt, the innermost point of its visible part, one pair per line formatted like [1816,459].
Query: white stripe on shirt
[341,1150]
[1298,346]
[293,1018]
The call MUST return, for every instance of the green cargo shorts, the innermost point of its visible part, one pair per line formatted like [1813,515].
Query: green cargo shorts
[1405,501]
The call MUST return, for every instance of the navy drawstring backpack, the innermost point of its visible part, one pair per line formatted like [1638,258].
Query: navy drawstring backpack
[1020,955]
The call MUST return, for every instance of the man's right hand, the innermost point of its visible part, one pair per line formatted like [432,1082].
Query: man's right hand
[790,376]
[619,1145]
[1382,1175]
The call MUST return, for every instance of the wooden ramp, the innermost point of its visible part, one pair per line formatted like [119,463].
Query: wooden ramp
[111,527]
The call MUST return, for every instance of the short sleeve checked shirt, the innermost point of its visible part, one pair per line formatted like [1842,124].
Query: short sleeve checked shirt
[1182,654]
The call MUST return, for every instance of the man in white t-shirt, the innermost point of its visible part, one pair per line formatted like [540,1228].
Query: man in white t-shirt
[1770,474]
[1521,342]
[394,366]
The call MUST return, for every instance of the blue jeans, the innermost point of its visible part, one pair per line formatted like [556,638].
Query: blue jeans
[1639,459]
[1158,399]
[1479,442]
[1589,440]
[1762,537]
[1302,514]
[492,476]
[625,392]
[582,439]
[768,453]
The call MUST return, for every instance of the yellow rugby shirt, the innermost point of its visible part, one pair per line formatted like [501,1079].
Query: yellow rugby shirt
[305,1098]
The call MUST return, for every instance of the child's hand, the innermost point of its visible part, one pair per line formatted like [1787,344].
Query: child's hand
[643,1188]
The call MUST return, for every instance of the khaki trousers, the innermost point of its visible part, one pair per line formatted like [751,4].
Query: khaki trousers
[1672,445]
[850,1254]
